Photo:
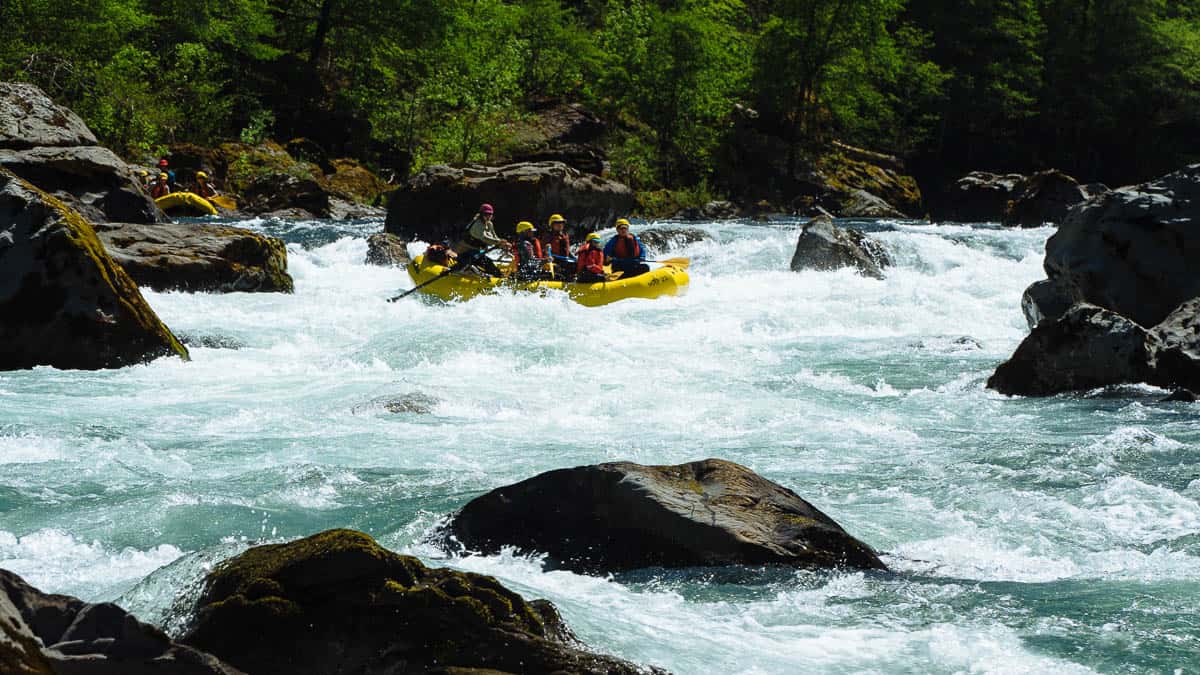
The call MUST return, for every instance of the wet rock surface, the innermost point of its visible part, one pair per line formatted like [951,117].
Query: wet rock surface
[386,250]
[1045,197]
[822,246]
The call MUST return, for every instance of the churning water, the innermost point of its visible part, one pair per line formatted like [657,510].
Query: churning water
[1048,535]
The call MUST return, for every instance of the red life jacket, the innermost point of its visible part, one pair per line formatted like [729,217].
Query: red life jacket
[518,248]
[205,190]
[558,243]
[589,256]
[159,189]
[626,246]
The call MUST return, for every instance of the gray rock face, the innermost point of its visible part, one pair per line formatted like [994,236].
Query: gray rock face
[61,635]
[52,148]
[620,516]
[1045,197]
[823,246]
[1044,300]
[715,210]
[1087,347]
[978,197]
[1134,250]
[207,258]
[439,202]
[863,204]
[29,119]
[1174,348]
[662,239]
[386,250]
[63,301]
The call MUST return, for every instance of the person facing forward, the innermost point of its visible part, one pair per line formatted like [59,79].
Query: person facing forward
[626,252]
[480,236]
[557,246]
[160,187]
[527,253]
[204,186]
[589,260]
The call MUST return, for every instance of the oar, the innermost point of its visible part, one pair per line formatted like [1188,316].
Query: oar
[681,263]
[223,202]
[459,266]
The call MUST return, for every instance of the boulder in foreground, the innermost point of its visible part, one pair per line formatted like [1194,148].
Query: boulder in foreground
[337,602]
[823,246]
[63,301]
[198,257]
[621,515]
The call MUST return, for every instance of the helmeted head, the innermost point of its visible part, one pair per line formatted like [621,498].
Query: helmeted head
[557,222]
[593,239]
[622,226]
[201,175]
[486,210]
[143,173]
[162,162]
[524,226]
[163,176]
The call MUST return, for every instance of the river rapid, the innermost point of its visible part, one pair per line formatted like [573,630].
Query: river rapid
[1057,535]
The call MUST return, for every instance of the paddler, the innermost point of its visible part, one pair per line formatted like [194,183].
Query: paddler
[160,187]
[527,253]
[557,245]
[589,260]
[480,236]
[204,186]
[625,251]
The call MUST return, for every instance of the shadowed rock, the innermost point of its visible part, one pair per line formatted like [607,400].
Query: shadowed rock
[978,197]
[1045,197]
[1044,300]
[621,516]
[386,250]
[823,246]
[1174,347]
[662,239]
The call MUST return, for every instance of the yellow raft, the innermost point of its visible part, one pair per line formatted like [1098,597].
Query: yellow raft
[186,204]
[666,280]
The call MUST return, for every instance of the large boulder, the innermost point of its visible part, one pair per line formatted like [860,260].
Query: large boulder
[1045,197]
[662,239]
[621,515]
[1133,250]
[439,202]
[386,250]
[209,258]
[1087,347]
[1044,300]
[51,147]
[567,133]
[863,204]
[1174,348]
[64,302]
[823,246]
[337,602]
[42,634]
[978,197]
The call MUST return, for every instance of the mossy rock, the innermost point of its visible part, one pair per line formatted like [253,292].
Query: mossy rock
[339,602]
[846,174]
[351,180]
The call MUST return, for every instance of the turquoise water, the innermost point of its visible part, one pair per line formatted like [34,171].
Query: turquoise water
[1058,535]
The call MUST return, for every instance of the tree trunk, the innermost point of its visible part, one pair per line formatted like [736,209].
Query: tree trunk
[323,24]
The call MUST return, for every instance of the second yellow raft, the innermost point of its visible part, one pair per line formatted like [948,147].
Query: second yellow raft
[456,286]
[185,204]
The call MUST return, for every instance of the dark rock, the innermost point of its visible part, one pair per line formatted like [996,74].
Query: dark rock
[66,636]
[863,204]
[207,258]
[439,202]
[1044,300]
[277,191]
[714,210]
[307,150]
[415,403]
[1045,197]
[1180,396]
[64,301]
[386,250]
[353,182]
[288,214]
[1087,347]
[621,516]
[210,340]
[52,148]
[340,209]
[1133,250]
[662,239]
[823,246]
[1174,347]
[337,602]
[566,133]
[978,197]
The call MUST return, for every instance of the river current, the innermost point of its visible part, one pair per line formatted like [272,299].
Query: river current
[1056,535]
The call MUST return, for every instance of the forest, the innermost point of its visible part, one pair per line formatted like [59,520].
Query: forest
[1106,90]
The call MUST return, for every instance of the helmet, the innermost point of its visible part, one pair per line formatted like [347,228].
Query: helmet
[162,162]
[622,221]
[557,218]
[143,172]
[163,176]
[593,237]
[201,174]
[524,226]
[487,209]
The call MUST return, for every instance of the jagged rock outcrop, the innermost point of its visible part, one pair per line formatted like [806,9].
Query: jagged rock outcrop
[64,302]
[43,634]
[1133,250]
[662,239]
[337,602]
[1174,348]
[978,197]
[1045,197]
[823,246]
[1044,300]
[621,515]
[387,250]
[439,202]
[51,147]
[207,258]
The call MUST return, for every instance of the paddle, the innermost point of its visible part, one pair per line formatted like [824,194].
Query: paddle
[458,266]
[223,202]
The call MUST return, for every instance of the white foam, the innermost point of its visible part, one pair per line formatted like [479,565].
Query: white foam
[58,562]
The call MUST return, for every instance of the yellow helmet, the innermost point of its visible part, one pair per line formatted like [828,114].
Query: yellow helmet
[557,218]
[163,176]
[143,172]
[592,236]
[201,174]
[622,221]
[524,226]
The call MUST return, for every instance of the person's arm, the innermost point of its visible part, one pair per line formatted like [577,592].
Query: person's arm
[487,233]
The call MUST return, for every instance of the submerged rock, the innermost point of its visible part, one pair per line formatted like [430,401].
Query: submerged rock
[386,250]
[337,602]
[440,201]
[208,258]
[64,302]
[823,246]
[42,634]
[621,516]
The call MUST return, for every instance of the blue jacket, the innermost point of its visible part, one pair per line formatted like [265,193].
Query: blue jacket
[608,249]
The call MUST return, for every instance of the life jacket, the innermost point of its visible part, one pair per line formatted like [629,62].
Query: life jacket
[535,246]
[205,190]
[626,247]
[558,243]
[588,257]
[159,189]
[438,254]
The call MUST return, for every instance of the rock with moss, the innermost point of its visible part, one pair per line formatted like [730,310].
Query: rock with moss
[44,634]
[621,515]
[51,147]
[64,302]
[823,246]
[337,602]
[207,258]
[864,184]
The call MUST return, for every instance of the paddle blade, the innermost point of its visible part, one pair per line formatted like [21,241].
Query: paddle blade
[681,263]
[224,202]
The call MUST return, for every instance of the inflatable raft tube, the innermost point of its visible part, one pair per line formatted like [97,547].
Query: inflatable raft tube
[185,204]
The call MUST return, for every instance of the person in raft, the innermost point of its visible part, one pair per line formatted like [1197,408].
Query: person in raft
[160,187]
[441,254]
[479,236]
[528,258]
[204,186]
[557,245]
[164,167]
[589,260]
[625,251]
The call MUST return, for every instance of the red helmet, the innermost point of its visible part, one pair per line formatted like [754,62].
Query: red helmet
[162,162]
[487,209]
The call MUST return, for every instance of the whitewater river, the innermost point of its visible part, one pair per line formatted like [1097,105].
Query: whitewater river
[1058,535]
